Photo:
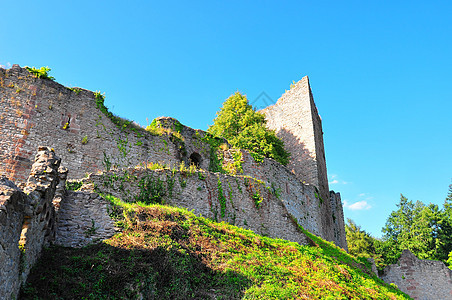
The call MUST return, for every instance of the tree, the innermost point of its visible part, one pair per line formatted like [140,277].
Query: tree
[415,227]
[359,242]
[245,128]
[362,244]
[445,232]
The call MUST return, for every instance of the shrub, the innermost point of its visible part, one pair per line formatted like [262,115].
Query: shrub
[245,128]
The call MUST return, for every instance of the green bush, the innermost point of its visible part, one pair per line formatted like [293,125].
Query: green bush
[245,128]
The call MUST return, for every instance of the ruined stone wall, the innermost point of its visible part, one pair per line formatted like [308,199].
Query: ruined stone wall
[337,213]
[296,121]
[239,200]
[283,198]
[37,111]
[420,279]
[26,221]
[82,218]
[299,199]
[11,219]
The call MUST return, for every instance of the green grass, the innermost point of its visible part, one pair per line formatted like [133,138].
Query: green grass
[169,253]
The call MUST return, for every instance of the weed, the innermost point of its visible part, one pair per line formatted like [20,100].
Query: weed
[257,157]
[75,90]
[156,166]
[121,124]
[22,258]
[236,166]
[257,198]
[238,185]
[201,176]
[122,145]
[183,183]
[152,190]
[190,171]
[317,195]
[276,191]
[221,199]
[106,162]
[43,72]
[73,185]
[92,230]
[85,140]
[216,158]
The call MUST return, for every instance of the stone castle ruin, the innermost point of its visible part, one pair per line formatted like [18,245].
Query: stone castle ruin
[100,152]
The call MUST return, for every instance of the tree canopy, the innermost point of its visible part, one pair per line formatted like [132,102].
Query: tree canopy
[245,128]
[425,230]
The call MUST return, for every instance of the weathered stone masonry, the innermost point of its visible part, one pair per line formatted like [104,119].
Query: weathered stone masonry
[42,112]
[296,121]
[26,221]
[421,279]
[264,196]
[37,112]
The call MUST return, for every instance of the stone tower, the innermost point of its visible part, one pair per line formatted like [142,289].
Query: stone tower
[296,121]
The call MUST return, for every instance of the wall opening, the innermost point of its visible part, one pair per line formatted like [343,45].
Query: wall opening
[195,159]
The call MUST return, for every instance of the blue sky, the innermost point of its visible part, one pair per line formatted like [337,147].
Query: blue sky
[380,71]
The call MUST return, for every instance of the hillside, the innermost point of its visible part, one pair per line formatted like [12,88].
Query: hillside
[169,253]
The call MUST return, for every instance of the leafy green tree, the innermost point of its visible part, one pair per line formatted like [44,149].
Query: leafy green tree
[415,227]
[445,233]
[387,252]
[359,241]
[245,128]
[362,244]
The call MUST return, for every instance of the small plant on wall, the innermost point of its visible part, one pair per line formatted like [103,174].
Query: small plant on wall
[43,72]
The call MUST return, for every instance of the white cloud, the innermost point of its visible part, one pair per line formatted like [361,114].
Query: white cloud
[362,195]
[359,205]
[335,180]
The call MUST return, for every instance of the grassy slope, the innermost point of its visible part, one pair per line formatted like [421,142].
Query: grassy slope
[169,253]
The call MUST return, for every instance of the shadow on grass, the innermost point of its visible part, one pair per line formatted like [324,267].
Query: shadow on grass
[104,272]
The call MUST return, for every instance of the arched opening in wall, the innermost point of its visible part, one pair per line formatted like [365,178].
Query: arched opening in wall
[195,159]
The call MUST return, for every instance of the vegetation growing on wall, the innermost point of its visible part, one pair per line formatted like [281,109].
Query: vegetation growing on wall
[235,166]
[73,185]
[42,72]
[221,199]
[216,156]
[174,132]
[153,190]
[121,123]
[244,128]
[157,128]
